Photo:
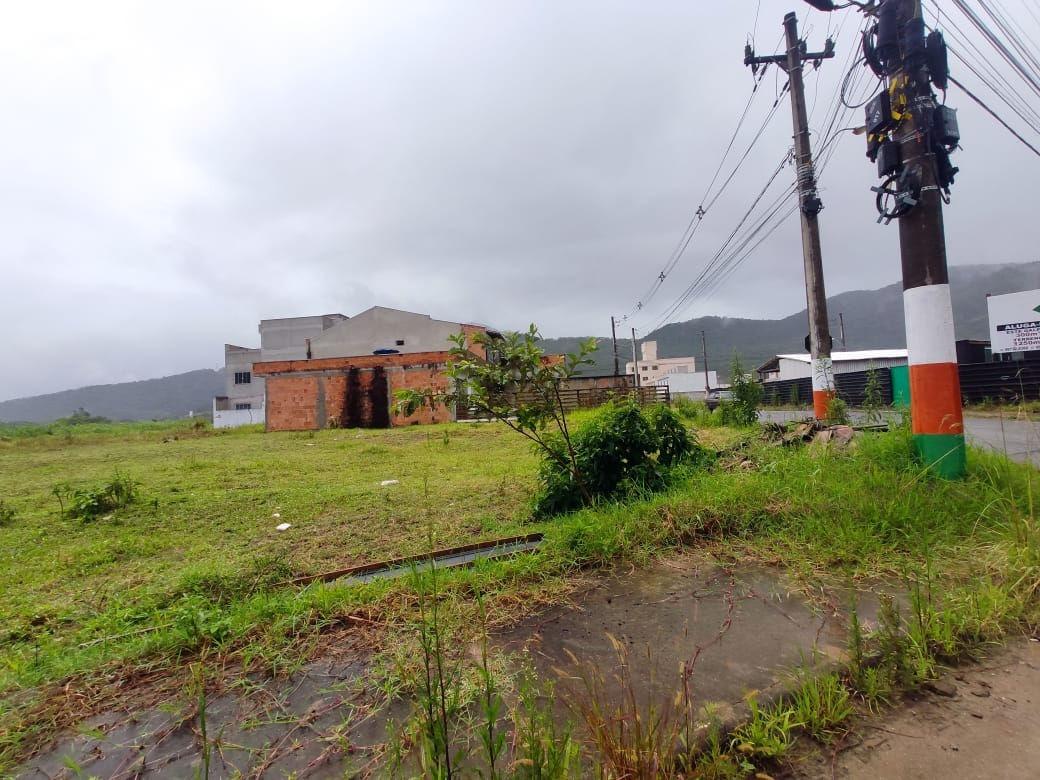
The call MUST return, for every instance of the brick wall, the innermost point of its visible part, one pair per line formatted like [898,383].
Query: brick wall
[292,403]
[421,378]
[350,392]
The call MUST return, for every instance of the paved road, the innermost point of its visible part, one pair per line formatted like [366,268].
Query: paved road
[1020,439]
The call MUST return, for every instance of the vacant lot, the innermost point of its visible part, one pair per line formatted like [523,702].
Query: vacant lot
[88,607]
[209,504]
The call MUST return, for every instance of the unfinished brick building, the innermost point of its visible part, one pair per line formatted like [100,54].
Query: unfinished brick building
[350,392]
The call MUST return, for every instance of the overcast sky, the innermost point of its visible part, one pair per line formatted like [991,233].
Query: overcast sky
[171,173]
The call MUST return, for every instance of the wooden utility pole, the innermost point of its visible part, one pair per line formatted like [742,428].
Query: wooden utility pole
[635,361]
[613,338]
[911,136]
[810,205]
[935,396]
[841,321]
[704,353]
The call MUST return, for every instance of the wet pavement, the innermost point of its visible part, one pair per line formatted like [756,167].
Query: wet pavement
[738,631]
[317,724]
[742,629]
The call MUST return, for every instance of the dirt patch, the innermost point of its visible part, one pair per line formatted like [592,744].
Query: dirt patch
[979,721]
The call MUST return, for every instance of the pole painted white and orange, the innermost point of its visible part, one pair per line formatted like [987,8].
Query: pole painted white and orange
[935,396]
[822,385]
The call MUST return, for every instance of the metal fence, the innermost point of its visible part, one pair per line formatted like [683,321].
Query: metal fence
[585,398]
[1000,382]
[1006,382]
[850,387]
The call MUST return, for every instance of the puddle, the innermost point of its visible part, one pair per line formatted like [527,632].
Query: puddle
[749,623]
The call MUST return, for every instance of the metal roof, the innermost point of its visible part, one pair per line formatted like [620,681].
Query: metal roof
[864,354]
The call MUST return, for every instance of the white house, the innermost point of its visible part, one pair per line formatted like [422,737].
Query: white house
[799,366]
[652,368]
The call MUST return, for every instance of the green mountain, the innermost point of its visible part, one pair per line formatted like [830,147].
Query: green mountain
[873,320]
[150,399]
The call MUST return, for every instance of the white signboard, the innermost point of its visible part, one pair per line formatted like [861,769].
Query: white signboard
[1014,322]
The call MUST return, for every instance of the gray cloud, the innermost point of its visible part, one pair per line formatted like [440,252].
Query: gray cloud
[170,175]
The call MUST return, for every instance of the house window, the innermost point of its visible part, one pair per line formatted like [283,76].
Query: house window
[243,377]
[653,368]
[400,342]
[240,407]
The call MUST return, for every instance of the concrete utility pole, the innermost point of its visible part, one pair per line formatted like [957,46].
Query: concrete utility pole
[935,391]
[841,321]
[635,361]
[613,338]
[704,352]
[810,205]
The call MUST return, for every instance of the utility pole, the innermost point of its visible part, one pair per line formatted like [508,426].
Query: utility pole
[911,136]
[935,394]
[704,352]
[635,362]
[613,338]
[841,321]
[820,342]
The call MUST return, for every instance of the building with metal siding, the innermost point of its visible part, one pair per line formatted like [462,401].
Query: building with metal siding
[799,366]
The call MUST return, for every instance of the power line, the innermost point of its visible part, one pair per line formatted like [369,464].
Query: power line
[994,114]
[976,61]
[734,250]
[705,203]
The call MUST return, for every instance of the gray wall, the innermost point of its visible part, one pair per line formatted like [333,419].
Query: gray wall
[382,328]
[286,339]
[238,359]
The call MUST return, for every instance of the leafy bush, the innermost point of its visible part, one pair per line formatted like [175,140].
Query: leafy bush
[674,442]
[838,412]
[91,503]
[742,410]
[619,451]
[873,398]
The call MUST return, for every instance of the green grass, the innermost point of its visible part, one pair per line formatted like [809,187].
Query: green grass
[206,515]
[195,561]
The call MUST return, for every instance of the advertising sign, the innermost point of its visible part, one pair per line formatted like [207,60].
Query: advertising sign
[1014,322]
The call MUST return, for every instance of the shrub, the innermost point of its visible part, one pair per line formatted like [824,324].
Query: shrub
[873,399]
[674,441]
[838,412]
[91,503]
[619,451]
[742,410]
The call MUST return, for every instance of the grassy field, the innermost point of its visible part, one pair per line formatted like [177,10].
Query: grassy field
[196,560]
[209,504]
